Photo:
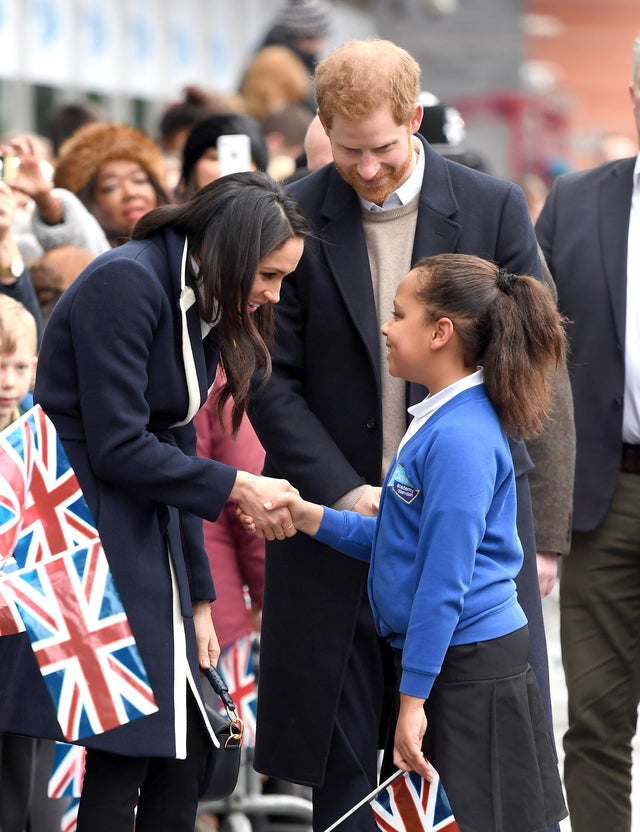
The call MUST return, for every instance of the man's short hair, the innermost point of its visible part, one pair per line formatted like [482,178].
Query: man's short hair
[362,76]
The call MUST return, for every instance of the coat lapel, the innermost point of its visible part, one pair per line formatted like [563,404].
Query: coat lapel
[193,354]
[345,250]
[614,201]
[436,230]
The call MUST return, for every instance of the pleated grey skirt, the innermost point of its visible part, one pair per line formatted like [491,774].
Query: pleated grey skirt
[488,737]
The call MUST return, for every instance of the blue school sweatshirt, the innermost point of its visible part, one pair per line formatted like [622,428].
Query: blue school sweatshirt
[443,550]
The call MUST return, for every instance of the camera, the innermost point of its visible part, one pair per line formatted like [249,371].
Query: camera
[8,166]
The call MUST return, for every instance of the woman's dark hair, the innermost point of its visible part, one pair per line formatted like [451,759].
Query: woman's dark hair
[231,225]
[508,324]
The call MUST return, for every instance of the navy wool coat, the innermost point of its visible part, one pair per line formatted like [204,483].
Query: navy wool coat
[121,367]
[320,421]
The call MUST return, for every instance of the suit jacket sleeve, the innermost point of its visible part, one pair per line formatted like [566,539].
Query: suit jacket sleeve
[553,454]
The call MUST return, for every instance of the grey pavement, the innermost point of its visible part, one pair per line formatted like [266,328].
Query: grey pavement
[550,608]
[290,806]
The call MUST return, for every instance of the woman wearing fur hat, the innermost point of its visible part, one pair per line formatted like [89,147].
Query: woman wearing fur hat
[117,171]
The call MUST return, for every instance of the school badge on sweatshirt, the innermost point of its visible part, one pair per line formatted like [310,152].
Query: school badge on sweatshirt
[401,485]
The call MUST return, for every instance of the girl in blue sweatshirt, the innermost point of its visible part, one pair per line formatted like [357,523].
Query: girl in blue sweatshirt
[444,550]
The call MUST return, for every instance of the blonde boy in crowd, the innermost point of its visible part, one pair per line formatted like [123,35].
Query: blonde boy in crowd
[20,797]
[18,344]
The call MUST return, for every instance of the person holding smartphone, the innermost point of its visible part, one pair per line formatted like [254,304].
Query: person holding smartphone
[222,143]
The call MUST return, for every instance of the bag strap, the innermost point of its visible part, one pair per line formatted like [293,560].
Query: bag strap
[236,727]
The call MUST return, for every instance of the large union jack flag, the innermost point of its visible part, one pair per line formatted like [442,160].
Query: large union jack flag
[412,804]
[59,588]
[235,665]
[82,641]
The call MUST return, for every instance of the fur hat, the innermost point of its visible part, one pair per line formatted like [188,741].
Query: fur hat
[83,153]
[304,18]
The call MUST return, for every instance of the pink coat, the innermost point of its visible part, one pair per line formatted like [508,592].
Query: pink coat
[236,557]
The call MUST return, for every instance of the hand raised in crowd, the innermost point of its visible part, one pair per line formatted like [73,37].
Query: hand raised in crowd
[28,177]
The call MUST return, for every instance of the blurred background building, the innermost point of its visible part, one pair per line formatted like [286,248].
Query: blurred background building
[541,84]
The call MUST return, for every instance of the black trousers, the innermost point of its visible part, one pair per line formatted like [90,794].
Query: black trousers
[165,791]
[25,768]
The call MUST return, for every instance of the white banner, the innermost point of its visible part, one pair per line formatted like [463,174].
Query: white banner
[49,42]
[145,48]
[98,45]
[11,44]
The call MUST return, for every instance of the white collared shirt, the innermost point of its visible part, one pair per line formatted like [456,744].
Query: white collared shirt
[205,326]
[631,410]
[425,409]
[405,192]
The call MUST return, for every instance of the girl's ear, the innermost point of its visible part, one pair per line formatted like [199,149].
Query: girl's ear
[442,333]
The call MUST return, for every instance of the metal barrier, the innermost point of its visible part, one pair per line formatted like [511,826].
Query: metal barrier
[247,809]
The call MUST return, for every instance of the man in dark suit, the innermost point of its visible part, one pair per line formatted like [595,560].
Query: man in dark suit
[331,416]
[589,230]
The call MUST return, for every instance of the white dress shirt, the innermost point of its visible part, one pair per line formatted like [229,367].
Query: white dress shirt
[406,192]
[425,409]
[631,410]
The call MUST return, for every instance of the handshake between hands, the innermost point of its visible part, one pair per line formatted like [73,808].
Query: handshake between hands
[281,511]
[273,508]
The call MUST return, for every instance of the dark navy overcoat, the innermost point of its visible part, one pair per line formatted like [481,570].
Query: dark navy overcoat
[123,368]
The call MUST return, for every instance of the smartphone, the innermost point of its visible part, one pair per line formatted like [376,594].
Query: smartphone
[8,166]
[234,153]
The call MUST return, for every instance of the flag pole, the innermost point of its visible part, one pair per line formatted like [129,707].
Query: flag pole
[364,800]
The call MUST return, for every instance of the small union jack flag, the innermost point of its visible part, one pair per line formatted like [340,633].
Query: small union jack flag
[70,818]
[10,619]
[16,463]
[236,668]
[412,804]
[67,771]
[65,780]
[82,641]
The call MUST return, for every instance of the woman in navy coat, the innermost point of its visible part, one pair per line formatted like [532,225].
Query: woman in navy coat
[127,359]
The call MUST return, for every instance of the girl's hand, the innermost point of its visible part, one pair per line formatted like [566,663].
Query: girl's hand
[410,731]
[305,516]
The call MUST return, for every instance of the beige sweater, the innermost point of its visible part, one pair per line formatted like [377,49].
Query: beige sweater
[389,235]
